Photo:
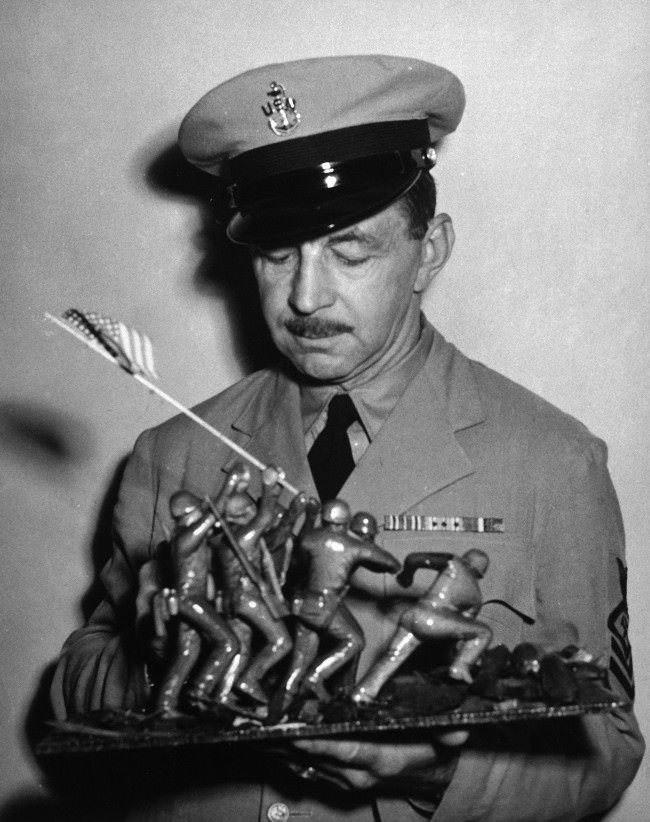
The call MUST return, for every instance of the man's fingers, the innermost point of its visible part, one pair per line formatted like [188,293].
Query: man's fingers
[360,765]
[375,759]
[453,739]
[341,750]
[346,778]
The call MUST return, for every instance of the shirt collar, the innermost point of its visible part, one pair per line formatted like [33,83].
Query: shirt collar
[376,399]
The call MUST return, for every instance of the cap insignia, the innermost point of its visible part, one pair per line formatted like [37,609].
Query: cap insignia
[280,110]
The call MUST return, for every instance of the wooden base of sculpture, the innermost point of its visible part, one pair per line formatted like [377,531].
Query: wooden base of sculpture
[411,703]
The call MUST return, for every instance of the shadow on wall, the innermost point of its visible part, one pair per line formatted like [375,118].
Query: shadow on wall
[42,438]
[102,542]
[224,273]
[39,438]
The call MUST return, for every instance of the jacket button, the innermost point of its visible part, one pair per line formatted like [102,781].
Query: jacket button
[278,812]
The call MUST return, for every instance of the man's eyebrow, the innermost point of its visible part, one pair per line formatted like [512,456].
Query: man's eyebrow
[355,235]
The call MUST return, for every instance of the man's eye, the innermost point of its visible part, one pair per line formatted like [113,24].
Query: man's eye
[349,261]
[274,257]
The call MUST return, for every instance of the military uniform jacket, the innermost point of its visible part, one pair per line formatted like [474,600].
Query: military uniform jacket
[462,441]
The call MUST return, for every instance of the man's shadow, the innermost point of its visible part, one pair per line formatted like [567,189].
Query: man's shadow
[224,275]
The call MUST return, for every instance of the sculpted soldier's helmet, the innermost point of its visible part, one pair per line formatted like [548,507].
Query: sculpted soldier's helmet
[312,146]
[240,474]
[185,507]
[239,508]
[336,512]
[477,560]
[364,524]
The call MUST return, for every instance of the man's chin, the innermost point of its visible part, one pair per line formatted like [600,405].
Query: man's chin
[321,367]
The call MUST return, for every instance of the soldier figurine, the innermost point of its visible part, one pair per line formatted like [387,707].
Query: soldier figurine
[251,592]
[191,603]
[333,552]
[446,611]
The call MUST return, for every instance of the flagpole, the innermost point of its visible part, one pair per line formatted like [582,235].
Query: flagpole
[98,349]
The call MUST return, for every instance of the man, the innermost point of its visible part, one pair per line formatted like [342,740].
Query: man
[327,165]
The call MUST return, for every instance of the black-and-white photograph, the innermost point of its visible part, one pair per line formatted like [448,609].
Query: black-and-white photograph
[323,417]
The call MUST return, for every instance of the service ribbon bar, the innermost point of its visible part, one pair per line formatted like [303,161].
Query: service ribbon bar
[421,522]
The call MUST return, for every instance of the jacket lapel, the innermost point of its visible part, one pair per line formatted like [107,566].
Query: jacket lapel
[276,435]
[416,452]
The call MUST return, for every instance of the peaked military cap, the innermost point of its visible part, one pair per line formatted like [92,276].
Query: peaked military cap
[312,146]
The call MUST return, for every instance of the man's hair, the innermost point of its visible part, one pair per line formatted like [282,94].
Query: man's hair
[419,205]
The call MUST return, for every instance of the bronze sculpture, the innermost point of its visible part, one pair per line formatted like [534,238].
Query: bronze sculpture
[332,552]
[447,610]
[252,599]
[230,634]
[197,619]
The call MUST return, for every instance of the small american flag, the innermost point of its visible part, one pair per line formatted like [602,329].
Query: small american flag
[131,349]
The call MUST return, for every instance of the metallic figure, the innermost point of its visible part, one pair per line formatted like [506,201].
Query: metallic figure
[333,552]
[251,594]
[190,601]
[446,611]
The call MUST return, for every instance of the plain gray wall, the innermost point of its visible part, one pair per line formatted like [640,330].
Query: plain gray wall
[546,180]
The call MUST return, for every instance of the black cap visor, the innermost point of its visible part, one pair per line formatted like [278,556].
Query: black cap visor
[307,203]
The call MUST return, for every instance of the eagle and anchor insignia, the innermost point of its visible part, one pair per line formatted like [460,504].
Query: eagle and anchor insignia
[280,110]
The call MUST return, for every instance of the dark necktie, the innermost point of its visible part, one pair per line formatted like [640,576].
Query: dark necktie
[330,457]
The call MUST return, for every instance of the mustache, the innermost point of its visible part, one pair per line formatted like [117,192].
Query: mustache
[315,328]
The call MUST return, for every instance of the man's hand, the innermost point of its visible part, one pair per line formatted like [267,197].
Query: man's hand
[414,769]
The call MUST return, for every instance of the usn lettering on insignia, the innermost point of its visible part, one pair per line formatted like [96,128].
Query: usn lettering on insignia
[281,110]
[421,522]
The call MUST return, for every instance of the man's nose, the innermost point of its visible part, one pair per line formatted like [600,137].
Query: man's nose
[311,288]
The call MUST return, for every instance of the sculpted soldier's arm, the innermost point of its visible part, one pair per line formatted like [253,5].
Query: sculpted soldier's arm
[265,510]
[282,529]
[434,560]
[101,665]
[377,559]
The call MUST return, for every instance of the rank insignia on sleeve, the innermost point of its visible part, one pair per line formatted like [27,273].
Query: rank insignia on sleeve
[620,663]
[421,522]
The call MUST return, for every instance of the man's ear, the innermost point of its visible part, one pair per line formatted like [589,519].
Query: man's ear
[437,244]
